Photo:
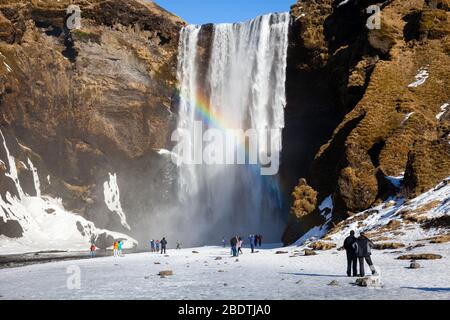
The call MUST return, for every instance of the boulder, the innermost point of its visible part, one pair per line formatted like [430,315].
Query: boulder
[334,283]
[420,256]
[309,252]
[322,245]
[414,265]
[367,282]
[165,273]
[388,245]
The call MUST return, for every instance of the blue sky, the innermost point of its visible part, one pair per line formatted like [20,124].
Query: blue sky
[218,11]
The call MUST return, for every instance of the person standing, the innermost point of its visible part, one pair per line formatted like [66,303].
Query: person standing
[260,240]
[178,245]
[223,242]
[351,254]
[152,245]
[251,240]
[233,243]
[157,245]
[93,248]
[363,248]
[119,247]
[116,248]
[163,245]
[239,245]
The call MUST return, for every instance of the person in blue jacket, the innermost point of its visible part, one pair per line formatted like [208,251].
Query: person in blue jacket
[251,239]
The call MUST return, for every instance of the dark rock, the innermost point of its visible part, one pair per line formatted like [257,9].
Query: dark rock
[10,228]
[420,256]
[334,283]
[308,252]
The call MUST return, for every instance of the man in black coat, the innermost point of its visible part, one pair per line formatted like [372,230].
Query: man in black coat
[363,248]
[163,245]
[233,243]
[351,254]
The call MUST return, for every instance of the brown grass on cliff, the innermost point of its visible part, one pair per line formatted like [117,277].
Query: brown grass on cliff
[305,199]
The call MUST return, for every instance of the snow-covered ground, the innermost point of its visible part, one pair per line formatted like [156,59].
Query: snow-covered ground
[262,275]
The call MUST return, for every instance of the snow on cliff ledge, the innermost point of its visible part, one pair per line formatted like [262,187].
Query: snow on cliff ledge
[403,221]
[45,223]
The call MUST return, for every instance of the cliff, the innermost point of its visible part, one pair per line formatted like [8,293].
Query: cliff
[83,103]
[389,96]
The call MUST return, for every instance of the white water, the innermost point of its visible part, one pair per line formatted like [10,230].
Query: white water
[244,85]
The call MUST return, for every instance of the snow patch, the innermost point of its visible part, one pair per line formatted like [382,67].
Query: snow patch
[381,215]
[407,117]
[7,66]
[112,199]
[327,204]
[443,111]
[12,174]
[343,3]
[396,181]
[421,77]
[37,183]
[315,233]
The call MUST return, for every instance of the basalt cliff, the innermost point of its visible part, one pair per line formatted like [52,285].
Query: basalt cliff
[375,100]
[86,104]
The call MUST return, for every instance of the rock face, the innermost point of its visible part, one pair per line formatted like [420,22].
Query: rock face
[82,103]
[388,89]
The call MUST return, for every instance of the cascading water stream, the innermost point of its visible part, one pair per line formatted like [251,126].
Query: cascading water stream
[243,87]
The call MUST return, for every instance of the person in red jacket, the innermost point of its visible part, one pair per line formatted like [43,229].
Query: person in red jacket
[93,248]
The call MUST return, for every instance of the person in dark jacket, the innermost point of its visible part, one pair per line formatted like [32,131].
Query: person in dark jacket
[163,245]
[260,240]
[251,240]
[351,254]
[363,248]
[233,243]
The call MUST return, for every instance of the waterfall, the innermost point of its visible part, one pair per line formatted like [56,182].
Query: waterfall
[238,84]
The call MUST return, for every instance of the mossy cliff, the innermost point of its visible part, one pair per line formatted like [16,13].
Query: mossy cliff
[385,124]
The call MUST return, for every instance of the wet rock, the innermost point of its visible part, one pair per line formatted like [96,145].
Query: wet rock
[415,265]
[334,283]
[218,258]
[367,282]
[420,256]
[195,251]
[281,252]
[322,245]
[388,245]
[309,252]
[166,273]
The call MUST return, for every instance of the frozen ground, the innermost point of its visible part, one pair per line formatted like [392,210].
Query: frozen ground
[262,275]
